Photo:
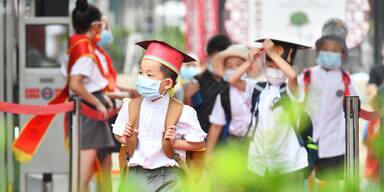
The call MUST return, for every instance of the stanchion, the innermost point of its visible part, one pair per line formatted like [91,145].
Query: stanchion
[351,111]
[75,133]
[381,140]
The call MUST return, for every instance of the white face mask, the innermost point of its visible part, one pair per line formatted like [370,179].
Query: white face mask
[229,73]
[275,76]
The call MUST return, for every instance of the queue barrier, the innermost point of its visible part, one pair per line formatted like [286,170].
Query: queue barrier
[76,106]
[75,131]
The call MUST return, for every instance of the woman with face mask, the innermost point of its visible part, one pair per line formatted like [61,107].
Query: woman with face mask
[88,79]
[274,148]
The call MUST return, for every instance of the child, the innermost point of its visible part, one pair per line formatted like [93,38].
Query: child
[150,168]
[274,148]
[201,92]
[326,85]
[230,116]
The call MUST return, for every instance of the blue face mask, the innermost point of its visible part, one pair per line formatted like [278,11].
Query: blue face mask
[329,60]
[148,88]
[106,38]
[187,73]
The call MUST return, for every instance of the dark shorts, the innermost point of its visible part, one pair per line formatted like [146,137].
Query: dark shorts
[330,169]
[94,134]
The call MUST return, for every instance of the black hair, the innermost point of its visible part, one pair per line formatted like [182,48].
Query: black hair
[169,73]
[218,43]
[83,15]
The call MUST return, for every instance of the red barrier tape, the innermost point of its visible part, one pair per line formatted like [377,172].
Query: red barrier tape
[36,109]
[369,116]
[97,115]
[55,108]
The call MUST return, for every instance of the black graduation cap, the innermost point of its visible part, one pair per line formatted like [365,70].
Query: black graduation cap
[287,50]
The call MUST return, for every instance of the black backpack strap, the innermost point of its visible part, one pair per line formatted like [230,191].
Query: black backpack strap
[226,104]
[259,87]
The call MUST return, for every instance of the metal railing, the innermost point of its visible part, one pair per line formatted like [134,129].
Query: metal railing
[74,137]
[351,112]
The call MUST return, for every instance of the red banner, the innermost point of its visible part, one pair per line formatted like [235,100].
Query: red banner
[202,22]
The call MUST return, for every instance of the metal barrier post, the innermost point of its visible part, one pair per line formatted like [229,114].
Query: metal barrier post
[351,111]
[75,133]
[381,137]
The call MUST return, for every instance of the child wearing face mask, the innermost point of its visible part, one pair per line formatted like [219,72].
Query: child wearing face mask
[274,148]
[230,116]
[326,85]
[151,169]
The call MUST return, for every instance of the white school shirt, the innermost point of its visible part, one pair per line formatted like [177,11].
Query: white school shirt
[274,146]
[149,153]
[93,79]
[240,102]
[326,110]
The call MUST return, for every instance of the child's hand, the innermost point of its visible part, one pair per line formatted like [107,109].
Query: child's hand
[254,55]
[108,100]
[100,107]
[129,131]
[269,46]
[170,134]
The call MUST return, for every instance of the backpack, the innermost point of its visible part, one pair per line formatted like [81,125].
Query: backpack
[226,104]
[303,128]
[204,99]
[174,111]
[344,74]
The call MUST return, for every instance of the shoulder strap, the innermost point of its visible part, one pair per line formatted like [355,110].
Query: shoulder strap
[175,108]
[134,113]
[128,149]
[346,80]
[259,87]
[226,103]
[307,79]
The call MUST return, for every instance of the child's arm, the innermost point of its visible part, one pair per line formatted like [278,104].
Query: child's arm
[180,144]
[283,66]
[235,79]
[184,145]
[76,85]
[213,136]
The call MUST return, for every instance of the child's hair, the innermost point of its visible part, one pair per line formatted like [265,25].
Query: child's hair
[83,15]
[217,43]
[168,73]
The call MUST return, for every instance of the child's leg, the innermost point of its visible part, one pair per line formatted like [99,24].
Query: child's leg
[329,173]
[105,159]
[88,157]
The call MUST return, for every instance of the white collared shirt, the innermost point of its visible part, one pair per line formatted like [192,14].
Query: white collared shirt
[149,152]
[274,146]
[240,102]
[93,79]
[325,107]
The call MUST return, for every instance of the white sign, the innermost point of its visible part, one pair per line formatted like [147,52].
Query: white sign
[298,21]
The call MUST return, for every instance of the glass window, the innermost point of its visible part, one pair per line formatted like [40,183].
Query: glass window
[46,45]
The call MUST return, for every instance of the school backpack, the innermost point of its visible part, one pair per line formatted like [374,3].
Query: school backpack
[174,111]
[226,104]
[204,99]
[303,128]
[344,75]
